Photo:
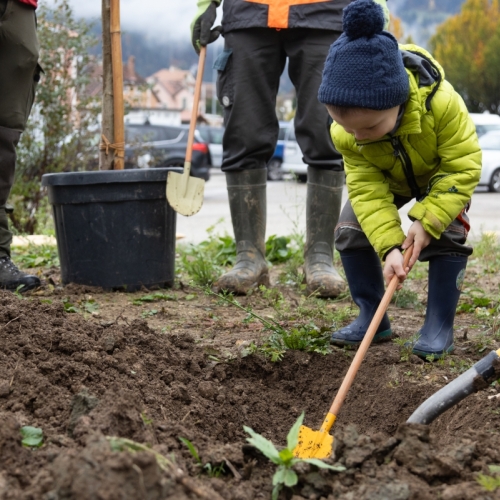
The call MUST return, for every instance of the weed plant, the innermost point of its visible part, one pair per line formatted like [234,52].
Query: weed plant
[32,256]
[211,470]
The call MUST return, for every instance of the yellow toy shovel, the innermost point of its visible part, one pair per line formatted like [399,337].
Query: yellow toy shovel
[185,193]
[318,444]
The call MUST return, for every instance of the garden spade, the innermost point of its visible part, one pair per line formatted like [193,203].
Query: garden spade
[318,444]
[185,193]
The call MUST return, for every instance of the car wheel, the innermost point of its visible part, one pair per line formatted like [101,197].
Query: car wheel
[274,171]
[494,185]
[302,178]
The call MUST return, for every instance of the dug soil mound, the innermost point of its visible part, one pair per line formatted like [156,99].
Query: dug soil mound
[113,399]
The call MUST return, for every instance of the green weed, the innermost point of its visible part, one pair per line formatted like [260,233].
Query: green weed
[32,437]
[123,444]
[488,250]
[212,471]
[285,476]
[153,297]
[406,346]
[35,256]
[490,483]
[406,299]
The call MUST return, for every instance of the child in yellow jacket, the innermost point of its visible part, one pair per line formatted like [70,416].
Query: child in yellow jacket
[404,134]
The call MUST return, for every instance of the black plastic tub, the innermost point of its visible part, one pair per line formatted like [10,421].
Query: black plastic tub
[114,228]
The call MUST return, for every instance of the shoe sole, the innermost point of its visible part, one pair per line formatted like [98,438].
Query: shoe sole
[379,337]
[425,355]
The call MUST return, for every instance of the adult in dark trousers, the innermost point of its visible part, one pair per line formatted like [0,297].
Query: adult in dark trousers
[19,74]
[259,37]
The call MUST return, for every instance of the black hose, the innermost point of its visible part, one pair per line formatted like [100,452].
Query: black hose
[475,379]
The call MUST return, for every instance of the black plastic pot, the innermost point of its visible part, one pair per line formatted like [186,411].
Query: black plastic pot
[115,228]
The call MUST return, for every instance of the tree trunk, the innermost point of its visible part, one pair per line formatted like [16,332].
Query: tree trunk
[106,160]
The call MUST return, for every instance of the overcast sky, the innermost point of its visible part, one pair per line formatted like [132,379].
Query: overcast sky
[161,18]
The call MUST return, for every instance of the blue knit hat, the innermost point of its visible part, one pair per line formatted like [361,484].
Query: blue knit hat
[364,67]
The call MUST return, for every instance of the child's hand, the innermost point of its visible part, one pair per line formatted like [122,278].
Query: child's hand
[394,266]
[420,239]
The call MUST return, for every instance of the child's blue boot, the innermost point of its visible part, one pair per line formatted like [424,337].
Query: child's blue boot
[446,274]
[366,283]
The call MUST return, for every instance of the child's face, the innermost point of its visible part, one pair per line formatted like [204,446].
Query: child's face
[367,124]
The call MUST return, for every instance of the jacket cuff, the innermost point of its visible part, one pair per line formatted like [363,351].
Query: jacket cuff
[399,247]
[429,221]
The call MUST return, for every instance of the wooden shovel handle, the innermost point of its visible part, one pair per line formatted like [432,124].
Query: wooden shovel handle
[367,340]
[196,102]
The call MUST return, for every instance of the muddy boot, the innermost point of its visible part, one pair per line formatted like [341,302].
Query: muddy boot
[11,278]
[247,202]
[324,198]
[446,274]
[364,276]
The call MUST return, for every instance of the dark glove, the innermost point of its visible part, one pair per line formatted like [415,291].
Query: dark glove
[203,34]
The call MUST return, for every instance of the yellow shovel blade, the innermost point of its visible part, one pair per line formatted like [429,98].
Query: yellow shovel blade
[313,444]
[185,193]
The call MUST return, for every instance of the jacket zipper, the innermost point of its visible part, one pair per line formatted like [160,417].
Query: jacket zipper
[400,152]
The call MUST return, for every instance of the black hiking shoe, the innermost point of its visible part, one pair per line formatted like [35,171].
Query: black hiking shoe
[11,278]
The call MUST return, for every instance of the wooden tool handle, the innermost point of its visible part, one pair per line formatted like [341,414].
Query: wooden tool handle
[367,340]
[196,101]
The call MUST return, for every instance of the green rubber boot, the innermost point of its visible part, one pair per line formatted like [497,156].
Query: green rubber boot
[324,199]
[247,202]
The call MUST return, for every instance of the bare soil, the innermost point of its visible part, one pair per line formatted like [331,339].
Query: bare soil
[179,367]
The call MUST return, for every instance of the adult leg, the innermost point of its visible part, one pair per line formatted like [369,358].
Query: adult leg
[18,78]
[307,50]
[249,73]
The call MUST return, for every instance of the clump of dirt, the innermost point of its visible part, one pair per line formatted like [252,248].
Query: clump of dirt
[82,382]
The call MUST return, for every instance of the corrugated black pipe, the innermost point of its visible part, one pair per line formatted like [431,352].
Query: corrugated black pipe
[479,377]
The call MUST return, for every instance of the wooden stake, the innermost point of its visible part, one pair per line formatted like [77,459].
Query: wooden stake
[107,130]
[117,64]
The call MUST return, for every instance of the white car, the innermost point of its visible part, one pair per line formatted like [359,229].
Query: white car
[490,174]
[292,154]
[485,122]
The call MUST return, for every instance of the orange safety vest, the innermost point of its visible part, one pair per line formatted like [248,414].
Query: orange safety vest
[283,14]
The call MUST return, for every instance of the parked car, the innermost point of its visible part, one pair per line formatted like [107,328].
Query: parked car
[292,154]
[485,122]
[150,146]
[490,173]
[213,137]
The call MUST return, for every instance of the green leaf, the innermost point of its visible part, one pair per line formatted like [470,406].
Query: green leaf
[293,436]
[191,449]
[279,475]
[291,479]
[322,465]
[494,469]
[286,455]
[263,445]
[32,437]
[276,492]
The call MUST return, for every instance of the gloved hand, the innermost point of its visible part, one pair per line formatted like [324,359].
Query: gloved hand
[201,27]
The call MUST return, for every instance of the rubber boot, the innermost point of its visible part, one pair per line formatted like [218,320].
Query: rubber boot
[364,275]
[247,202]
[446,275]
[324,198]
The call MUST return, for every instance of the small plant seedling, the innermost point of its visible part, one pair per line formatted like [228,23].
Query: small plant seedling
[123,444]
[406,346]
[69,307]
[212,471]
[490,483]
[32,437]
[146,420]
[284,459]
[153,297]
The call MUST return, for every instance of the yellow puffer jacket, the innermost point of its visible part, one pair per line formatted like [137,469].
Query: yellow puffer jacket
[433,156]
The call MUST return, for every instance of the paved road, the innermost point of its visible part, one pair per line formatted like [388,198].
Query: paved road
[286,211]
